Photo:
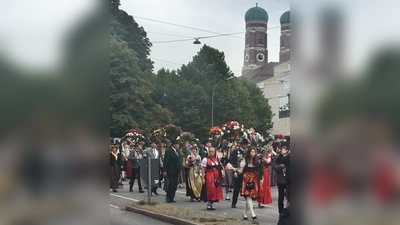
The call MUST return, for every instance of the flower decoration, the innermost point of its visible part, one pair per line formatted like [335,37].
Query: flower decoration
[255,137]
[216,131]
[229,167]
[172,132]
[191,160]
[233,130]
[187,136]
[216,134]
[280,136]
[134,135]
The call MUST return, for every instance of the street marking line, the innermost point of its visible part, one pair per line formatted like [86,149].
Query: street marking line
[118,196]
[114,206]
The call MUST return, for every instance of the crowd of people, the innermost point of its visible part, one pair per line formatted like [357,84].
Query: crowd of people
[238,166]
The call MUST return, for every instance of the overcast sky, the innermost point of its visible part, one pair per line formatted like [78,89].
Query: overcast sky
[222,16]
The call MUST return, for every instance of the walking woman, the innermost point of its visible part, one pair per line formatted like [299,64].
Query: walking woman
[115,165]
[250,168]
[265,188]
[194,177]
[212,179]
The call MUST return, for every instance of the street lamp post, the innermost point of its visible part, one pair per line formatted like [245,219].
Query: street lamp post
[212,100]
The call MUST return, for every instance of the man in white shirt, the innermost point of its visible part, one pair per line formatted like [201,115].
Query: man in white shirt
[153,153]
[204,152]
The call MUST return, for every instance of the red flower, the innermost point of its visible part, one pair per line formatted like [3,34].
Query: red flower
[236,134]
[280,136]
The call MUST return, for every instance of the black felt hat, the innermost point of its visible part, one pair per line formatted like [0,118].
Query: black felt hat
[244,141]
[174,142]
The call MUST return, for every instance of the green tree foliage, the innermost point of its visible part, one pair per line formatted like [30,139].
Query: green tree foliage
[123,26]
[131,104]
[187,93]
[145,101]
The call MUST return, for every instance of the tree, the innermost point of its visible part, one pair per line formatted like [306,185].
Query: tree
[187,94]
[123,26]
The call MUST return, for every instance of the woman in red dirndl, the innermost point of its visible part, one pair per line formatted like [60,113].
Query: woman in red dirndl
[265,189]
[250,168]
[212,178]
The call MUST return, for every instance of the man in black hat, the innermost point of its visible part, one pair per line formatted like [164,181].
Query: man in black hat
[172,165]
[204,151]
[236,156]
[152,153]
[134,157]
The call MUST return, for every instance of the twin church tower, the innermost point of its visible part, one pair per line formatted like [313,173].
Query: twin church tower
[256,38]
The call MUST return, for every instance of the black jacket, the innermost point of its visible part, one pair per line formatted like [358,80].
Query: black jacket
[280,178]
[285,160]
[284,218]
[234,159]
[113,161]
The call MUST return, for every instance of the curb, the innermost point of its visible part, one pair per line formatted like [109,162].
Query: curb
[162,217]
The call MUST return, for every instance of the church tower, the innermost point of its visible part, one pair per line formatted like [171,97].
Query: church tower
[255,51]
[284,52]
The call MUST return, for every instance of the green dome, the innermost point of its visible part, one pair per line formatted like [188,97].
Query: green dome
[256,13]
[285,18]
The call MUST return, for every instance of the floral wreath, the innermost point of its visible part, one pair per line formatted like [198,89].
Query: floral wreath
[233,130]
[131,137]
[172,132]
[254,136]
[216,136]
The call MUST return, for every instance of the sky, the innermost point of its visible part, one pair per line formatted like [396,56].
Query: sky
[32,33]
[222,16]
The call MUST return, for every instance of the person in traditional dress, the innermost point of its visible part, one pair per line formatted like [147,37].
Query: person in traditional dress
[153,153]
[161,149]
[235,159]
[115,164]
[125,154]
[250,168]
[181,176]
[212,173]
[266,197]
[134,157]
[228,180]
[194,175]
[281,182]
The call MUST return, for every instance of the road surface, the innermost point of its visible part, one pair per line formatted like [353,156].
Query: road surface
[266,216]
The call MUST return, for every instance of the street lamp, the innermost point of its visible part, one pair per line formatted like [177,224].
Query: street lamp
[212,100]
[196,42]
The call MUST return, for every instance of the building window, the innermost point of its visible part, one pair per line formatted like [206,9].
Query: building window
[282,46]
[260,39]
[284,107]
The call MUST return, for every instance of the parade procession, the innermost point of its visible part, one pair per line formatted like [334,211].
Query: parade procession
[234,163]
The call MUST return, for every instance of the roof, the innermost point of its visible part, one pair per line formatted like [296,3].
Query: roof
[261,73]
[256,13]
[285,18]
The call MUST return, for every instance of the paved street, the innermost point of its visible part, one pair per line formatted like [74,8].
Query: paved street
[119,216]
[268,215]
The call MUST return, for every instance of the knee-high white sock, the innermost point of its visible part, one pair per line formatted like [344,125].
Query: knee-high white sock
[249,202]
[246,208]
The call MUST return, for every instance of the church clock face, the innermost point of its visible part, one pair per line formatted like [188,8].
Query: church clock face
[246,57]
[260,57]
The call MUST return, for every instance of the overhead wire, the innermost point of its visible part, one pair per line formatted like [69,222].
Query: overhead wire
[192,28]
[166,61]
